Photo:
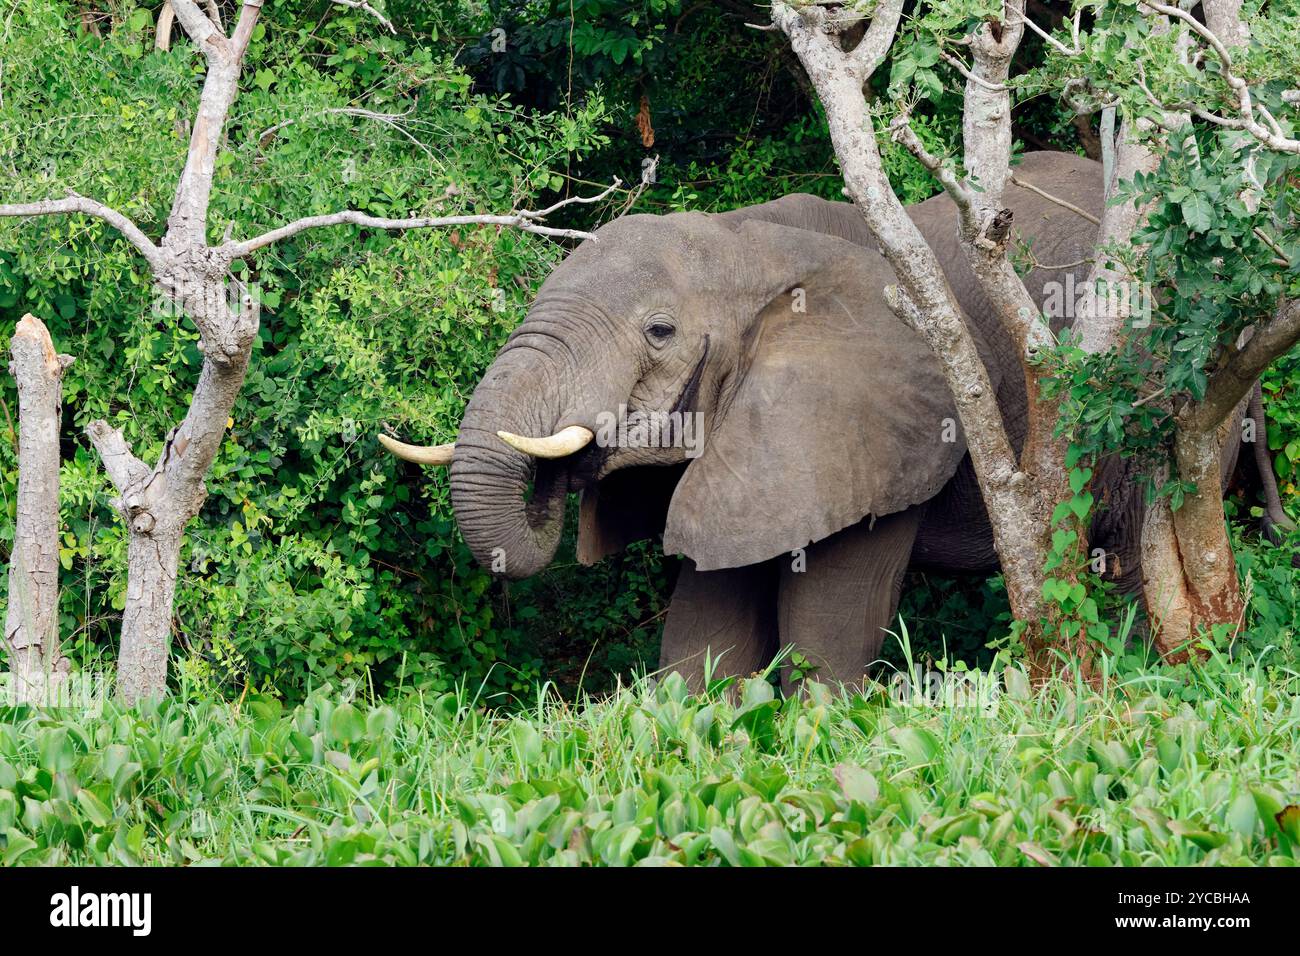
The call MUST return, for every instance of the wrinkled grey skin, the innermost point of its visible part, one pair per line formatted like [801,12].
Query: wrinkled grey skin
[825,472]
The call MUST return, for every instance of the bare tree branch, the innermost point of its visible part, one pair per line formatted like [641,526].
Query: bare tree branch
[958,189]
[124,469]
[965,71]
[214,14]
[1100,329]
[243,33]
[271,131]
[80,204]
[872,50]
[1235,379]
[1073,50]
[362,5]
[986,134]
[1056,199]
[390,120]
[525,221]
[199,28]
[574,201]
[188,219]
[163,37]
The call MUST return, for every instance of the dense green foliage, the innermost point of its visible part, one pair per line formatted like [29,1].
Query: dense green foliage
[317,559]
[316,556]
[1195,767]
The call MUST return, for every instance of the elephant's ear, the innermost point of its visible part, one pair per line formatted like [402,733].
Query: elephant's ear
[623,507]
[843,412]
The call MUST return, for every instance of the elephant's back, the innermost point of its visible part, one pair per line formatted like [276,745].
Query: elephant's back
[811,213]
[1049,227]
[1059,239]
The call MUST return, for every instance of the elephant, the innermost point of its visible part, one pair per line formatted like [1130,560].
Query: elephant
[737,383]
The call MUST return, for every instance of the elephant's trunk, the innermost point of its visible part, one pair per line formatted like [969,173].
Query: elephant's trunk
[508,531]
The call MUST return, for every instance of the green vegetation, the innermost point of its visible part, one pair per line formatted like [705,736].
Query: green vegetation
[1168,767]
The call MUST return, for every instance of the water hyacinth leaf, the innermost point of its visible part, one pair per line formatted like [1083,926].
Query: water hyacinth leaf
[919,745]
[16,845]
[1205,839]
[94,808]
[857,784]
[346,724]
[1037,854]
[1242,817]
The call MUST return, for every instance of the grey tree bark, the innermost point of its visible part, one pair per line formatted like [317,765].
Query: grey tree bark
[37,668]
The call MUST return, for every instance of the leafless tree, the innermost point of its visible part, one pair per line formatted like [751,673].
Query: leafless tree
[37,667]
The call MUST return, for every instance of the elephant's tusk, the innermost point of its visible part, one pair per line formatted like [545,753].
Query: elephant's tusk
[420,454]
[564,442]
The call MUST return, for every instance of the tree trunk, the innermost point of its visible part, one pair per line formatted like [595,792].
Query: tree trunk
[1191,582]
[38,669]
[157,503]
[1189,571]
[147,618]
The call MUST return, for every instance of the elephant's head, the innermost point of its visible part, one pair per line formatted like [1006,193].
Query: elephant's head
[758,358]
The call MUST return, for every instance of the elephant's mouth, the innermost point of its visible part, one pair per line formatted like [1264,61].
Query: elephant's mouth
[653,438]
[547,490]
[510,490]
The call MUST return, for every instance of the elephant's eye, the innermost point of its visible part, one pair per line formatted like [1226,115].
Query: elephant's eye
[659,332]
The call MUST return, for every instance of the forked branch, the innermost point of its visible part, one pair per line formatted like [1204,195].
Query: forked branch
[525,221]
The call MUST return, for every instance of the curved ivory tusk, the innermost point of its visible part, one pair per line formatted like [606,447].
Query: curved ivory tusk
[564,442]
[420,454]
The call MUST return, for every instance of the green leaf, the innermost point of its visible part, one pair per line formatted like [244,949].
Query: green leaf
[94,808]
[1205,839]
[857,784]
[1198,212]
[346,724]
[1241,816]
[16,846]
[919,745]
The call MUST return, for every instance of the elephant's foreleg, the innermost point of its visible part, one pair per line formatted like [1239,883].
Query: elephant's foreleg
[726,616]
[835,606]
